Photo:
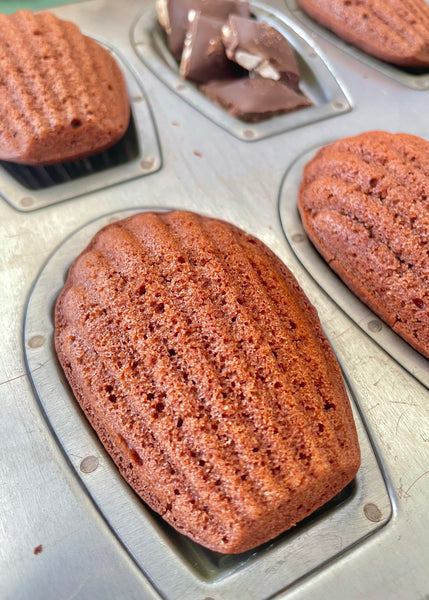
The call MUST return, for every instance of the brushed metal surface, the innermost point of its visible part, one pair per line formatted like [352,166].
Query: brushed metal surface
[43,503]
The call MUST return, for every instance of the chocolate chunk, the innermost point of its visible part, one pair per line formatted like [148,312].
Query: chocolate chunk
[253,100]
[203,56]
[173,15]
[258,47]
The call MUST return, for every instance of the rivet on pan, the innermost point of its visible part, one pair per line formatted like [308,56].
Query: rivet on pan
[298,237]
[312,54]
[36,341]
[89,464]
[372,512]
[248,133]
[148,163]
[181,87]
[138,98]
[26,201]
[375,326]
[338,105]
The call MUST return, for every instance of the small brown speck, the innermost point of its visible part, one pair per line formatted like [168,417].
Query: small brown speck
[198,153]
[175,123]
[38,549]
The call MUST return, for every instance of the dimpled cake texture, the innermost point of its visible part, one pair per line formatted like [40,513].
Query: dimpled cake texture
[396,31]
[62,96]
[203,369]
[364,202]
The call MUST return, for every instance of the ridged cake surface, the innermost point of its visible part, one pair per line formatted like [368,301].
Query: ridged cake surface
[62,95]
[203,369]
[364,202]
[396,31]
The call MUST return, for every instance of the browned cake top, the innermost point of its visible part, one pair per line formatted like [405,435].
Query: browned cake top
[205,372]
[62,96]
[396,31]
[364,202]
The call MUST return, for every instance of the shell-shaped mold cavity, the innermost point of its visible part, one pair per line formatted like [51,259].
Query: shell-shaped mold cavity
[364,205]
[204,370]
[62,95]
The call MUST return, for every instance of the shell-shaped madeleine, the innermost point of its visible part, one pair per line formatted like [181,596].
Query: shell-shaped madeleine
[203,368]
[364,202]
[62,95]
[396,31]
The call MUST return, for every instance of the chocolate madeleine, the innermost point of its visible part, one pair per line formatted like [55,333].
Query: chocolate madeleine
[396,31]
[204,370]
[364,204]
[62,98]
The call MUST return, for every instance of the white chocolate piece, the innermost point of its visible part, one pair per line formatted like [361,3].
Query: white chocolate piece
[191,15]
[246,60]
[264,69]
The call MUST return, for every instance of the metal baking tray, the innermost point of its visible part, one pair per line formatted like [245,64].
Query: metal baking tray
[69,526]
[345,522]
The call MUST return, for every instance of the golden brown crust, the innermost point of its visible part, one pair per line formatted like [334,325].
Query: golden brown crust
[364,204]
[62,95]
[203,368]
[396,31]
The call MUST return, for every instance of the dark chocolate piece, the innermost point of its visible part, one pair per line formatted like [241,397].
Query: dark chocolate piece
[203,56]
[173,15]
[253,100]
[258,47]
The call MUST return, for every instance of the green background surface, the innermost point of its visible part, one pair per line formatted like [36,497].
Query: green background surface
[10,6]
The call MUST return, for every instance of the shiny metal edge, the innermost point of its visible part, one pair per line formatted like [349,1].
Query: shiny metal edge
[319,82]
[366,319]
[289,558]
[415,81]
[147,162]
